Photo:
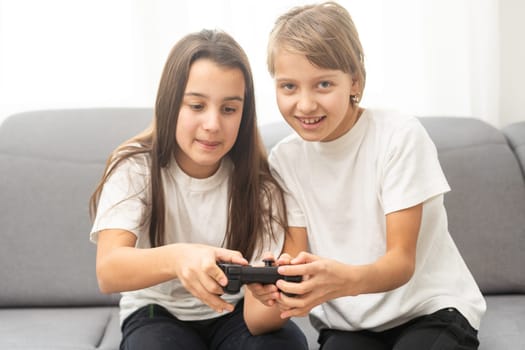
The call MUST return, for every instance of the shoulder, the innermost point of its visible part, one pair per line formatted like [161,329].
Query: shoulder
[392,121]
[393,127]
[289,147]
[286,152]
[289,144]
[131,159]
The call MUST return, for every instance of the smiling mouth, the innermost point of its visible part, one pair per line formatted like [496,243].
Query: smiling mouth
[310,120]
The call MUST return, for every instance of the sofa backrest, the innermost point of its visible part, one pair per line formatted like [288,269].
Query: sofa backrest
[486,207]
[50,162]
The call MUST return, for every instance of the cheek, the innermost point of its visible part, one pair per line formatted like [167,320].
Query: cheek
[233,130]
[284,103]
[183,130]
[339,102]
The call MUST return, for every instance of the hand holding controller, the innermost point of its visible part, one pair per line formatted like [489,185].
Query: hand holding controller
[241,274]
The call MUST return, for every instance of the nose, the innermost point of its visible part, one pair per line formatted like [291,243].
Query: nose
[307,103]
[211,120]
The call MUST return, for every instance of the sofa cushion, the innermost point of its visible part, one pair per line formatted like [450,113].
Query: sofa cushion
[485,206]
[51,162]
[503,324]
[60,328]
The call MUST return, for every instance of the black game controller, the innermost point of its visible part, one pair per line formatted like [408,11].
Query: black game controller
[242,274]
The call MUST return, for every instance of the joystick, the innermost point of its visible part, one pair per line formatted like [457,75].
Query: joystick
[241,274]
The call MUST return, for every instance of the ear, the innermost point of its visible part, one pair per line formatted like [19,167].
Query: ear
[355,89]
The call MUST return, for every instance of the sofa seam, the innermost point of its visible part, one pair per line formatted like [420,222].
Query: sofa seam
[51,159]
[105,331]
[461,148]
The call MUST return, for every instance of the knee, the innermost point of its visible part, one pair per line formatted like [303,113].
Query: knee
[288,337]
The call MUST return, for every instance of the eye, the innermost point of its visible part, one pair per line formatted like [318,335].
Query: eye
[196,106]
[288,86]
[229,109]
[325,84]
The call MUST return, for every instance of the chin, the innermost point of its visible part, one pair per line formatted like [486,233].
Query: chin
[309,136]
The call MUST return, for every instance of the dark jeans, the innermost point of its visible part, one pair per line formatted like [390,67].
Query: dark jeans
[445,329]
[154,328]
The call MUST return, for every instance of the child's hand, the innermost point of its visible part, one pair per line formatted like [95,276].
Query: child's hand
[266,294]
[196,267]
[323,280]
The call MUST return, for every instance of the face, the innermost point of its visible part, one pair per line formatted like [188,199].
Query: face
[314,101]
[209,118]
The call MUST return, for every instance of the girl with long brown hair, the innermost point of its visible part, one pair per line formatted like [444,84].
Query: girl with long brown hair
[191,190]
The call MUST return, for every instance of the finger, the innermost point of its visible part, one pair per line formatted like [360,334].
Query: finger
[211,298]
[294,305]
[268,256]
[303,258]
[293,288]
[213,286]
[296,270]
[284,259]
[282,307]
[261,289]
[197,289]
[265,294]
[217,303]
[294,313]
[217,276]
[230,256]
[265,299]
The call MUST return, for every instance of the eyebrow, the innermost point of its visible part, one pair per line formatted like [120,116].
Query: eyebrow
[228,98]
[319,77]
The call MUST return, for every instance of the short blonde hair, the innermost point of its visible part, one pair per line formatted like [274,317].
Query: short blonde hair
[325,33]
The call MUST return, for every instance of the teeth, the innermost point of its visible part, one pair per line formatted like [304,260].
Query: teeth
[311,120]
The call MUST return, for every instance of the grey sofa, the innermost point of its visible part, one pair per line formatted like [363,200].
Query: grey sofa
[51,160]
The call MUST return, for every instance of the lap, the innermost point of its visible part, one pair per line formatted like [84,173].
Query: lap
[445,329]
[235,336]
[153,327]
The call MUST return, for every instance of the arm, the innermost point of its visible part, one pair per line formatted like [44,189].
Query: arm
[122,267]
[261,318]
[326,279]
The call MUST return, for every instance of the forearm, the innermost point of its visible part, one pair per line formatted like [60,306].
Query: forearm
[397,266]
[129,268]
[387,273]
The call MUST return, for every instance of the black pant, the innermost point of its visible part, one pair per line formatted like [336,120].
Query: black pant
[154,328]
[445,329]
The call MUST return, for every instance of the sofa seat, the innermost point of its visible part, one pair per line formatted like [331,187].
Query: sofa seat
[59,328]
[504,323]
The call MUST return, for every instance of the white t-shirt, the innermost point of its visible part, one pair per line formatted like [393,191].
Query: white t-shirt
[342,190]
[196,212]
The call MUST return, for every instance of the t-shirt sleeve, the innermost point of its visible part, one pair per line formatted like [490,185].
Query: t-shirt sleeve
[123,202]
[412,173]
[280,169]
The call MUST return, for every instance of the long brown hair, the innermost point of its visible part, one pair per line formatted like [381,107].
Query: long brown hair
[255,199]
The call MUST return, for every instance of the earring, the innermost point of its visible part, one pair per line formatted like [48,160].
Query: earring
[354,98]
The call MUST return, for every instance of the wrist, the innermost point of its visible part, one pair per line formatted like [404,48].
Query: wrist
[354,277]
